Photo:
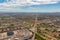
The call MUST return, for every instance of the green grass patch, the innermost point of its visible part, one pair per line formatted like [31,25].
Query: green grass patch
[38,37]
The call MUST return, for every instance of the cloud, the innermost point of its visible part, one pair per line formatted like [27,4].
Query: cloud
[27,2]
[14,4]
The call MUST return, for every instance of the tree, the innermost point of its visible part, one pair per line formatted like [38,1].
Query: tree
[11,24]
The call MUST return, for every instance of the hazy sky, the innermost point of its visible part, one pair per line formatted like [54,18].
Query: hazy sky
[29,5]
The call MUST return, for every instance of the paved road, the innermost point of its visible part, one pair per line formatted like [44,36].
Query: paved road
[23,31]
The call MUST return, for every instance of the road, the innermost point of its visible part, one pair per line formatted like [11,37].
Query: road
[20,33]
[44,36]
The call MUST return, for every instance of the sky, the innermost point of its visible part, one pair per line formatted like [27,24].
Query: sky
[29,5]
